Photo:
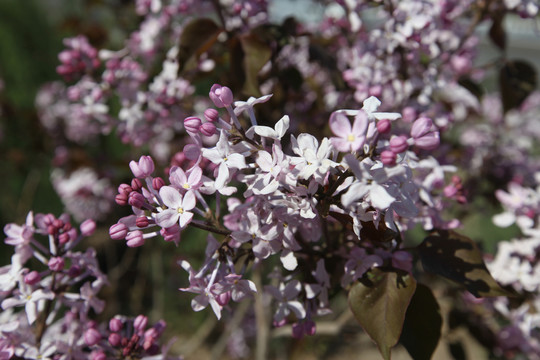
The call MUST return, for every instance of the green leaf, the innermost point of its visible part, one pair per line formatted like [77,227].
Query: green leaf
[517,79]
[379,305]
[256,55]
[422,326]
[197,37]
[457,258]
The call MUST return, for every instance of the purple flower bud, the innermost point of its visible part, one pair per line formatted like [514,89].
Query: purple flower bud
[115,324]
[398,144]
[135,238]
[32,278]
[140,323]
[136,184]
[211,115]
[115,339]
[88,227]
[136,199]
[121,199]
[118,231]
[421,127]
[384,126]
[223,298]
[408,114]
[74,271]
[192,125]
[142,222]
[171,233]
[208,129]
[222,96]
[63,238]
[92,337]
[98,355]
[388,158]
[157,183]
[56,263]
[143,168]
[428,142]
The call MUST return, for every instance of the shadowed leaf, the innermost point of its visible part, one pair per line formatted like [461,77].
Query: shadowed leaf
[197,37]
[422,326]
[379,305]
[256,55]
[496,31]
[457,258]
[517,79]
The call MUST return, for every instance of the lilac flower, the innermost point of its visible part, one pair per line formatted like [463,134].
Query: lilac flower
[178,207]
[313,159]
[285,296]
[348,139]
[29,298]
[189,181]
[224,156]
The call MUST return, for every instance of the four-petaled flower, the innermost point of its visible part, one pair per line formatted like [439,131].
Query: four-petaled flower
[178,207]
[348,139]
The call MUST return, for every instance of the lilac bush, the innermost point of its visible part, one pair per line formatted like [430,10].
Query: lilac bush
[309,155]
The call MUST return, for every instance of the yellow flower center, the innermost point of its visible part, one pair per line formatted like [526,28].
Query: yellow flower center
[180,210]
[350,138]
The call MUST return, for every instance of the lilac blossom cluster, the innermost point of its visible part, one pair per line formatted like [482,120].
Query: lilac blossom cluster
[289,204]
[49,295]
[516,265]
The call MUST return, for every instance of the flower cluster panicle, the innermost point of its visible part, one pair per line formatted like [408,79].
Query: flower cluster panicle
[58,288]
[280,199]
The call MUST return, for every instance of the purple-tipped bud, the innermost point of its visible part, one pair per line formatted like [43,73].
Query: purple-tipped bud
[136,199]
[157,183]
[421,127]
[125,188]
[428,142]
[56,263]
[398,144]
[88,227]
[388,158]
[98,355]
[32,278]
[135,238]
[223,298]
[118,231]
[92,337]
[136,184]
[222,96]
[63,238]
[384,126]
[142,222]
[208,129]
[143,168]
[115,324]
[408,114]
[211,115]
[115,339]
[140,323]
[121,199]
[192,125]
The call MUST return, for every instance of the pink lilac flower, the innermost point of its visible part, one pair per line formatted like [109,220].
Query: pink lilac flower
[348,139]
[178,207]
